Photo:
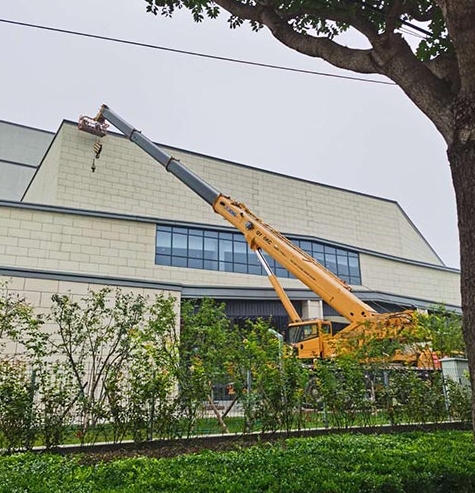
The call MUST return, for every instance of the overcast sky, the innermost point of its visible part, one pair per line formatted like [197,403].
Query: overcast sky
[355,135]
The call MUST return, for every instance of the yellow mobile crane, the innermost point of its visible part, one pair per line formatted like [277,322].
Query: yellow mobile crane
[311,338]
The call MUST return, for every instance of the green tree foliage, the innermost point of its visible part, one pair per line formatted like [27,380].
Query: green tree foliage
[443,328]
[269,379]
[458,401]
[108,358]
[56,396]
[262,373]
[327,18]
[17,411]
[19,322]
[409,396]
[140,392]
[121,354]
[349,393]
[340,389]
[207,344]
[23,346]
[154,379]
[94,336]
[206,337]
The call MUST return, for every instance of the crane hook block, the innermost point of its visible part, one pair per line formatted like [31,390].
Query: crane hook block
[92,126]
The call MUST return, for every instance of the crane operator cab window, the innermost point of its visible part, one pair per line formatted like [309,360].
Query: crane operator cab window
[302,331]
[297,333]
[326,328]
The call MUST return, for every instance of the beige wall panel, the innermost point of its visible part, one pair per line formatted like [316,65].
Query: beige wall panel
[72,243]
[439,286]
[30,288]
[43,187]
[96,246]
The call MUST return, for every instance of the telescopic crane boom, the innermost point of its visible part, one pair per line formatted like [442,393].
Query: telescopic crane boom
[312,338]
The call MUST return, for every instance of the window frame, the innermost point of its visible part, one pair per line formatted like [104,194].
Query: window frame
[222,250]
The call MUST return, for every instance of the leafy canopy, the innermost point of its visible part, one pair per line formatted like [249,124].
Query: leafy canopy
[329,18]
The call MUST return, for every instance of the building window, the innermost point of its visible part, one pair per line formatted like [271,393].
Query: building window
[208,249]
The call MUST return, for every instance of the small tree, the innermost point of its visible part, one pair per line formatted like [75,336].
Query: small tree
[17,407]
[458,401]
[151,377]
[412,396]
[207,344]
[56,398]
[269,380]
[444,329]
[24,346]
[95,337]
[341,386]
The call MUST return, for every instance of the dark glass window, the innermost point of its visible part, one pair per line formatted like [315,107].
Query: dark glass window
[199,248]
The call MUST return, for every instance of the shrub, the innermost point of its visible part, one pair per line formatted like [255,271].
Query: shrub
[400,463]
[17,409]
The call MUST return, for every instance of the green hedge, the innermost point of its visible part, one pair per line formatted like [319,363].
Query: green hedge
[409,462]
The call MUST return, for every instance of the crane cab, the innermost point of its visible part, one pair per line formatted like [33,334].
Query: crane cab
[308,337]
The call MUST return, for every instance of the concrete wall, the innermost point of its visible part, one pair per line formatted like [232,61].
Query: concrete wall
[68,242]
[441,286]
[38,290]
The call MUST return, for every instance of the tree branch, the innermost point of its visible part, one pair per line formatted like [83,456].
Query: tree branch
[345,16]
[390,56]
[418,16]
[445,67]
[393,16]
[431,94]
[318,47]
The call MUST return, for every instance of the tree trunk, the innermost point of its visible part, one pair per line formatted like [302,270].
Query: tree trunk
[461,154]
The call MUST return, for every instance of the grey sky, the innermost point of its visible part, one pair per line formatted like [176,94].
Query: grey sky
[360,136]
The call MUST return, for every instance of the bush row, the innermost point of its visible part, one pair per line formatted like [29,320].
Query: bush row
[114,366]
[403,463]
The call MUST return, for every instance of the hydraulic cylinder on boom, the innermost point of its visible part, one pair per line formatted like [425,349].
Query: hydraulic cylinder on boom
[312,338]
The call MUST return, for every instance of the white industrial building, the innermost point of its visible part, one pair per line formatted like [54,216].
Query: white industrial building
[66,228]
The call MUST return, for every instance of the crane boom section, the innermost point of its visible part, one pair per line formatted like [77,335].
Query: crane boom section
[304,267]
[257,233]
[192,181]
